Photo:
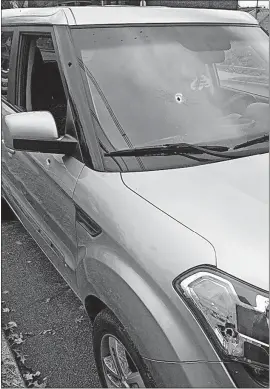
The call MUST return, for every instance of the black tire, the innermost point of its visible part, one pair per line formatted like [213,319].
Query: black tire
[6,212]
[106,323]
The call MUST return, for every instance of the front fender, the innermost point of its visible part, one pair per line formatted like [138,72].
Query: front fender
[132,301]
[132,263]
[160,325]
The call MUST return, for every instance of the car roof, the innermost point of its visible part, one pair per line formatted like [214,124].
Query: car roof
[109,15]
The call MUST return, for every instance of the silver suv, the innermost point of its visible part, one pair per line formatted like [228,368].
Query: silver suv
[135,152]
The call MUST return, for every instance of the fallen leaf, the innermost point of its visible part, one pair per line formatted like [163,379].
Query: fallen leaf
[6,310]
[20,356]
[79,319]
[28,377]
[18,242]
[11,324]
[17,338]
[50,332]
[5,292]
[29,334]
[13,336]
[31,376]
[19,341]
[47,300]
[28,261]
[37,385]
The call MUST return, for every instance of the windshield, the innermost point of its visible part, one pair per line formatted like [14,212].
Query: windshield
[165,84]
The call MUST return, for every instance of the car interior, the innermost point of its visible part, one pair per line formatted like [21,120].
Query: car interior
[44,87]
[237,105]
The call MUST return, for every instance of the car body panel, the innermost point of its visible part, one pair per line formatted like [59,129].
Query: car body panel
[198,374]
[45,185]
[134,231]
[226,202]
[123,15]
[131,265]
[45,15]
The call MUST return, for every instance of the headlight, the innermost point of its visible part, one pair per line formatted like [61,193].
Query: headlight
[234,314]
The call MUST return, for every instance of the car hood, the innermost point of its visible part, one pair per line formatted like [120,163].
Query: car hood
[225,202]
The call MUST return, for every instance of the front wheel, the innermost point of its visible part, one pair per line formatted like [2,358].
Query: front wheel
[118,361]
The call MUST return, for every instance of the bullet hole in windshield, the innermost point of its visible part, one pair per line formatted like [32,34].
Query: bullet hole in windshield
[180,99]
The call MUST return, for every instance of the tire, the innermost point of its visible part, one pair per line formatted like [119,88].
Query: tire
[6,212]
[107,328]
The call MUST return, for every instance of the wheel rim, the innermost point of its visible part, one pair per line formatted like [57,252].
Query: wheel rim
[119,369]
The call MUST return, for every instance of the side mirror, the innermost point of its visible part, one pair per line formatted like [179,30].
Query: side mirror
[36,131]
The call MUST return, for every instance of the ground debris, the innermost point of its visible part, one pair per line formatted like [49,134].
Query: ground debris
[29,334]
[19,354]
[10,325]
[16,338]
[33,380]
[50,332]
[79,319]
[31,376]
[10,376]
[37,385]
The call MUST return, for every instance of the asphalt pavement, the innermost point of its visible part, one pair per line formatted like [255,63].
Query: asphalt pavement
[52,333]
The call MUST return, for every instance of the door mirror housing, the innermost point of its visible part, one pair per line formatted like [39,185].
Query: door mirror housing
[36,131]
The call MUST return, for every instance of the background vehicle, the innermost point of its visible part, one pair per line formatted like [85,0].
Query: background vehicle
[135,152]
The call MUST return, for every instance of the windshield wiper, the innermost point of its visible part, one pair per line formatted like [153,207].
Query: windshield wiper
[252,142]
[171,149]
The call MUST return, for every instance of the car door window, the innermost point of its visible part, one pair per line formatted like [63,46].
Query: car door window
[243,69]
[40,83]
[6,42]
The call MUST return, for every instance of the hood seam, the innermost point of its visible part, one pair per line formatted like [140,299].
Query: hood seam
[149,202]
